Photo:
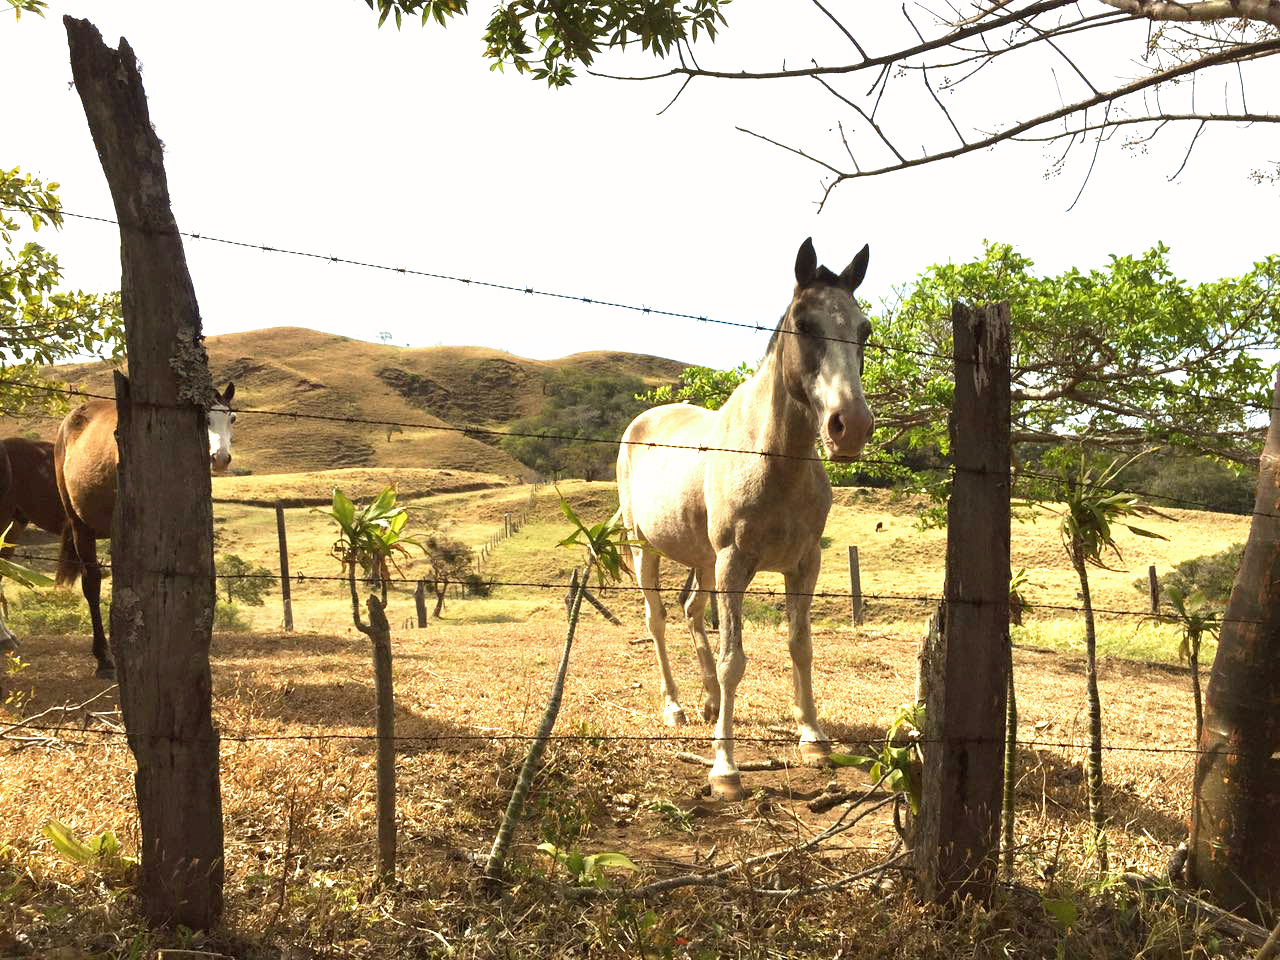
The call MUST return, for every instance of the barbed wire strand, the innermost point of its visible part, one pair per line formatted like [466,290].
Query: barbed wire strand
[1225,402]
[299,579]
[649,444]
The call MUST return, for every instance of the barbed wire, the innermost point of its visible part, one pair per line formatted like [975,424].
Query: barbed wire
[300,579]
[1224,402]
[472,431]
[590,738]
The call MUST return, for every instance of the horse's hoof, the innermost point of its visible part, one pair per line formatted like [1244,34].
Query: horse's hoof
[816,753]
[711,711]
[727,786]
[674,717]
[106,673]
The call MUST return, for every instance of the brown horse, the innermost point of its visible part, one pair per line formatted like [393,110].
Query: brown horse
[30,497]
[695,487]
[85,459]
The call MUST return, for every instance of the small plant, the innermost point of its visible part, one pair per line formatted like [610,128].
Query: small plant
[1197,620]
[679,818]
[1018,603]
[14,700]
[897,764]
[228,618]
[101,853]
[588,870]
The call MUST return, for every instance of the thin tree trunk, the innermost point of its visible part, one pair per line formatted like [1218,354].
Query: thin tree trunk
[1193,660]
[1093,765]
[162,527]
[378,630]
[441,587]
[496,866]
[1007,810]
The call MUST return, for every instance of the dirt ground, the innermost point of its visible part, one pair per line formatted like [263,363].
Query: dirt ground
[296,712]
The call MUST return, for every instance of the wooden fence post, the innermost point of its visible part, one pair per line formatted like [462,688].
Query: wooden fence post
[162,532]
[1154,584]
[420,601]
[855,585]
[957,833]
[284,568]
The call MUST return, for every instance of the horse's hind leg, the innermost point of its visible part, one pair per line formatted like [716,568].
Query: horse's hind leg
[91,585]
[814,745]
[694,611]
[656,618]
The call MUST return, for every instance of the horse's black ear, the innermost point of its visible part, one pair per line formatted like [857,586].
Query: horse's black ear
[851,279]
[806,263]
[228,393]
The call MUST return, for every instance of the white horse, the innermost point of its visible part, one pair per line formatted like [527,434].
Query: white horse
[738,490]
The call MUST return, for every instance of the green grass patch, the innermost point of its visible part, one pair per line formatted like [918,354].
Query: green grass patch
[1144,640]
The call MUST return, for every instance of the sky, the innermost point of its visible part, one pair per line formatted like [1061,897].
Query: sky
[306,127]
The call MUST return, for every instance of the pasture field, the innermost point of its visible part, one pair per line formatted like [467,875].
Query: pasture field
[296,713]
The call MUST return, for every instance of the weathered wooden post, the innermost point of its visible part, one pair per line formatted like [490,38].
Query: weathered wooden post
[957,833]
[162,528]
[284,568]
[855,585]
[1153,585]
[420,601]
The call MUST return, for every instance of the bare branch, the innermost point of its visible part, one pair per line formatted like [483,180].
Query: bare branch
[1201,11]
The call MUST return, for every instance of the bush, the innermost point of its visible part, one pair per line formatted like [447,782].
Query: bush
[53,612]
[760,613]
[1213,573]
[228,618]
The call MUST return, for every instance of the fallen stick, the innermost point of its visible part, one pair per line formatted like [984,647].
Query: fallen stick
[772,763]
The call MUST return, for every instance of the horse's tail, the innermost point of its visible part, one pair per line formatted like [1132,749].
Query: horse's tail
[69,566]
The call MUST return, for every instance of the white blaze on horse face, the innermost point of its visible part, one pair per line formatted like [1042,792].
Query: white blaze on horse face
[844,418]
[220,421]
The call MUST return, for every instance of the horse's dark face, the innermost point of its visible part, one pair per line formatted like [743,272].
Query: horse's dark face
[823,340]
[220,420]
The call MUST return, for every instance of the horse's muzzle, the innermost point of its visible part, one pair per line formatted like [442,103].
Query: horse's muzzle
[846,436]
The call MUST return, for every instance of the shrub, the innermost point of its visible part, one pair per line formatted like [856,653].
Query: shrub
[760,613]
[1212,574]
[228,618]
[53,612]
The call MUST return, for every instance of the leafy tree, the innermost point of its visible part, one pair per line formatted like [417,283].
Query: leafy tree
[1212,575]
[577,429]
[450,562]
[242,581]
[371,537]
[1090,511]
[702,386]
[1127,355]
[565,33]
[40,324]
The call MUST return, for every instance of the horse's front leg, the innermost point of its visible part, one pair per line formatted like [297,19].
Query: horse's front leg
[734,572]
[91,585]
[815,748]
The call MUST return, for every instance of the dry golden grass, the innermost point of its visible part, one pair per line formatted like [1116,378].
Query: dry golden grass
[465,694]
[298,804]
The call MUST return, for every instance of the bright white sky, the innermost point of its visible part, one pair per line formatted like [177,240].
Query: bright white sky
[303,126]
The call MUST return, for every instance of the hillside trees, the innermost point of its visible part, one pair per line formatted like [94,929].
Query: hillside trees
[576,431]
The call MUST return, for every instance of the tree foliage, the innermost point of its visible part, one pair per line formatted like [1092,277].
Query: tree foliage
[242,581]
[545,38]
[449,561]
[1127,355]
[39,323]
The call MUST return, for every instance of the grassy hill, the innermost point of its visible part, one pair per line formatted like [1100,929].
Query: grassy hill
[293,370]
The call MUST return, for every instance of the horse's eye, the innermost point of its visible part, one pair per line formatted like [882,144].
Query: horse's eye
[805,327]
[864,332]
[233,418]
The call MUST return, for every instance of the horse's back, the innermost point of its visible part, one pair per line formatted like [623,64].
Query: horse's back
[35,489]
[85,460]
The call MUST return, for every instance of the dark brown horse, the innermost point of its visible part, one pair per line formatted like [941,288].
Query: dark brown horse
[85,458]
[28,495]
